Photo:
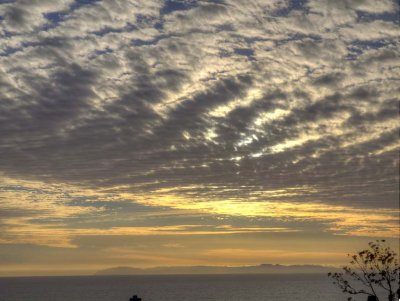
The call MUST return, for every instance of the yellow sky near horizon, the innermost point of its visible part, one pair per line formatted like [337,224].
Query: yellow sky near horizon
[94,231]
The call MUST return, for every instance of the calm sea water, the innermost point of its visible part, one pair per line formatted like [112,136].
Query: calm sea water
[300,287]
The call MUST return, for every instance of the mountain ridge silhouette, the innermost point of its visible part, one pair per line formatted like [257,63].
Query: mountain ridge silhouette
[264,268]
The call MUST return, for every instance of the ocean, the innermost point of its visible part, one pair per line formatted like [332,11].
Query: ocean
[281,287]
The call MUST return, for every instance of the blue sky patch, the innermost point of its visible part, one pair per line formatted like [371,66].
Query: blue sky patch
[171,6]
[244,51]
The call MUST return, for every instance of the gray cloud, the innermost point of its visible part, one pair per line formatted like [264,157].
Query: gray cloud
[259,95]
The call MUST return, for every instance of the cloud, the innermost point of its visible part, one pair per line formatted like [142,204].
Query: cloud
[27,16]
[127,102]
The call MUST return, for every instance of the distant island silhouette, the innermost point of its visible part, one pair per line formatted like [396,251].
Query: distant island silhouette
[184,270]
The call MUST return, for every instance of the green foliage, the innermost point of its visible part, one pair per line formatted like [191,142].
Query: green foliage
[372,268]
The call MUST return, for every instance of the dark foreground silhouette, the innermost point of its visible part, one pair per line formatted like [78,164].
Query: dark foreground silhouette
[375,268]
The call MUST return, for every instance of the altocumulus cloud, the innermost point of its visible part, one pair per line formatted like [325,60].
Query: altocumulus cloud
[192,104]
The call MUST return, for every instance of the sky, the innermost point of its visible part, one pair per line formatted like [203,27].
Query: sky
[177,133]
